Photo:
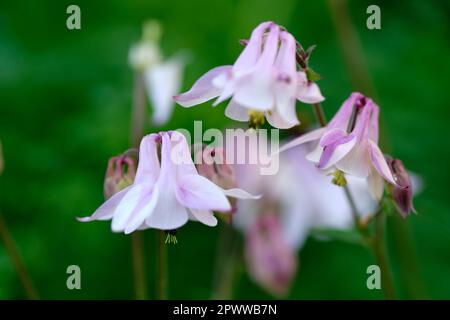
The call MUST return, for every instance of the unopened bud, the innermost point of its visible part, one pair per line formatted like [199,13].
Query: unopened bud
[119,174]
[402,194]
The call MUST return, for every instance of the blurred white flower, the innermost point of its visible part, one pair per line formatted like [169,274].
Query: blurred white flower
[162,78]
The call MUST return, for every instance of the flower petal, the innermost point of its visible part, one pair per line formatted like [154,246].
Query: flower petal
[134,199]
[163,81]
[308,92]
[376,185]
[204,216]
[356,162]
[148,166]
[203,89]
[310,136]
[286,121]
[256,90]
[336,151]
[240,194]
[106,210]
[236,112]
[197,192]
[379,162]
[143,211]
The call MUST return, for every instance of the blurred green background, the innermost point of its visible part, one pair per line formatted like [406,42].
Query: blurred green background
[65,102]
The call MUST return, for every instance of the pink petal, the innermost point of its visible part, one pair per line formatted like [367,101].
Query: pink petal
[379,162]
[240,194]
[342,117]
[204,216]
[308,92]
[285,120]
[148,166]
[356,162]
[203,89]
[256,90]
[180,155]
[197,192]
[169,213]
[310,136]
[247,59]
[134,199]
[236,112]
[143,211]
[106,210]
[338,153]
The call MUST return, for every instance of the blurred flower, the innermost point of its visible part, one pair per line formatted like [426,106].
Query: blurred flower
[350,144]
[263,79]
[119,174]
[402,193]
[166,191]
[162,78]
[271,262]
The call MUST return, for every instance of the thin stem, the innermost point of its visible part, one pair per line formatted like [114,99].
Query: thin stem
[320,115]
[162,266]
[17,261]
[379,248]
[137,250]
[137,129]
[225,265]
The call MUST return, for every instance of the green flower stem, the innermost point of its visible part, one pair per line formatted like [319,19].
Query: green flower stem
[17,261]
[161,278]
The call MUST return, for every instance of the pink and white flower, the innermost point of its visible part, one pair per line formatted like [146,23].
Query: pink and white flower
[264,78]
[167,190]
[354,150]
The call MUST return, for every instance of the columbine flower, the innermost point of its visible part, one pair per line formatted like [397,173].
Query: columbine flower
[162,79]
[353,150]
[166,192]
[402,193]
[271,262]
[263,79]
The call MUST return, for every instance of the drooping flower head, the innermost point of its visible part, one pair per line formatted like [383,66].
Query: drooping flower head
[167,190]
[263,79]
[349,143]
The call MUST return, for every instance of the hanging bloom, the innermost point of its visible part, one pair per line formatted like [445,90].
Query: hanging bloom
[263,79]
[352,150]
[162,78]
[119,174]
[167,190]
[402,193]
[271,262]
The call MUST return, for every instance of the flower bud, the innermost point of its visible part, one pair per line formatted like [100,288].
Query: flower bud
[402,194]
[119,174]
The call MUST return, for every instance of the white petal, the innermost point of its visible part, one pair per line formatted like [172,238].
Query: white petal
[310,136]
[240,194]
[204,216]
[203,89]
[236,112]
[163,81]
